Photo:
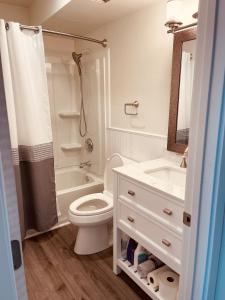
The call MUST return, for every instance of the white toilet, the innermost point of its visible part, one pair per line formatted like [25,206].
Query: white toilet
[93,213]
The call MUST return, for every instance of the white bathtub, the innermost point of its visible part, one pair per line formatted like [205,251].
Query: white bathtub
[71,184]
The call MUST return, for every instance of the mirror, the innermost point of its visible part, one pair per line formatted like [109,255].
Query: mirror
[181,90]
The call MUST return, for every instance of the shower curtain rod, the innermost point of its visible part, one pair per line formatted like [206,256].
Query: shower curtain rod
[70,35]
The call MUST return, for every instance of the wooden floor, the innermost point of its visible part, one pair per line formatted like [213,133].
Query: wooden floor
[54,271]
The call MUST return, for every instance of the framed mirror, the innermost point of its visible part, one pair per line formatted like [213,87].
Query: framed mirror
[181,90]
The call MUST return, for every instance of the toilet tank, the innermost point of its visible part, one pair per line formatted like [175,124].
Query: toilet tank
[115,161]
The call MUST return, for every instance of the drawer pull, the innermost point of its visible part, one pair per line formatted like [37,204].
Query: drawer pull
[167,211]
[166,243]
[130,219]
[131,193]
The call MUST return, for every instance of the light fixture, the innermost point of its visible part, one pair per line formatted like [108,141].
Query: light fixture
[174,9]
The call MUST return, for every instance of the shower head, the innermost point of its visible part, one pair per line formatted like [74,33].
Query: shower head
[77,59]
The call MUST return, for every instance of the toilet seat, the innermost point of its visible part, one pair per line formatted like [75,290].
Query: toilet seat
[91,205]
[93,213]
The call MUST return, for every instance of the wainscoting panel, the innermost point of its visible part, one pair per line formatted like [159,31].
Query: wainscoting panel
[135,145]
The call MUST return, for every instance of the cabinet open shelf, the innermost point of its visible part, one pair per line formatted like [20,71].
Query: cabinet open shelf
[71,147]
[130,271]
[69,114]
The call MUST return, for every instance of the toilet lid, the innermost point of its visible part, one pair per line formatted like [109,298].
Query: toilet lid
[90,205]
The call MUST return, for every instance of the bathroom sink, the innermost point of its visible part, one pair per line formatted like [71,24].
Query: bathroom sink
[168,175]
[161,174]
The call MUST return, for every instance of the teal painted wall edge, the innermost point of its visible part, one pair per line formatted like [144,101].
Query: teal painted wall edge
[207,283]
[217,229]
[212,271]
[7,279]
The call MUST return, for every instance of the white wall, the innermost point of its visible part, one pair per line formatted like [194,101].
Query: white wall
[40,11]
[140,62]
[36,14]
[141,59]
[14,13]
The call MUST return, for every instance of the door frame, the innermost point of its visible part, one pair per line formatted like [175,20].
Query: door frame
[7,275]
[15,287]
[201,241]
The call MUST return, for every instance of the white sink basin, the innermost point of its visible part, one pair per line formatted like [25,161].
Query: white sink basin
[162,175]
[171,176]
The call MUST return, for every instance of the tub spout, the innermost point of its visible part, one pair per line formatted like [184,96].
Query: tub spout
[85,164]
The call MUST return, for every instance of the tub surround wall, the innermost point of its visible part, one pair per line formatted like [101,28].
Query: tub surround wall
[64,99]
[64,90]
[73,183]
[96,82]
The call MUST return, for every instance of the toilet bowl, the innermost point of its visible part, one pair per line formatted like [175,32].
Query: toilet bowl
[93,214]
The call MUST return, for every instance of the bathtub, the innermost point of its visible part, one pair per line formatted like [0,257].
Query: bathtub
[71,184]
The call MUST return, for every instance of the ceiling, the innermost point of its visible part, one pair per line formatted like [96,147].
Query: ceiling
[82,16]
[24,3]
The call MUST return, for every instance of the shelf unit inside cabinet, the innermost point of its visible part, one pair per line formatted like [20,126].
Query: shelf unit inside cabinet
[131,272]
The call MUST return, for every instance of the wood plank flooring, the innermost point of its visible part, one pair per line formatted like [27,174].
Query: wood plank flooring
[54,272]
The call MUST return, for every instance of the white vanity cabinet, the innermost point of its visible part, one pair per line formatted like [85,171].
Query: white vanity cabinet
[150,216]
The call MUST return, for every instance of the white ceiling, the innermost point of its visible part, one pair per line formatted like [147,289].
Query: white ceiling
[82,16]
[24,3]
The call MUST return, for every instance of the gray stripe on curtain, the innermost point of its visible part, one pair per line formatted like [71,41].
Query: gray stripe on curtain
[35,183]
[32,153]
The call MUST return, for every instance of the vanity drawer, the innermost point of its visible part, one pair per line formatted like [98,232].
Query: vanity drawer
[126,215]
[159,207]
[164,238]
[161,241]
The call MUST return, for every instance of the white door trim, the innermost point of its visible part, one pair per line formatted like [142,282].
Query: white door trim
[212,190]
[201,89]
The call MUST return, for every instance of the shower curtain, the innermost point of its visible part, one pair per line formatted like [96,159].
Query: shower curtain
[25,82]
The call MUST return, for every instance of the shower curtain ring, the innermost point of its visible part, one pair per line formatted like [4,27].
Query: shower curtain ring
[36,30]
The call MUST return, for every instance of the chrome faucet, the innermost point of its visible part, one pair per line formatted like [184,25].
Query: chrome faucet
[184,159]
[85,164]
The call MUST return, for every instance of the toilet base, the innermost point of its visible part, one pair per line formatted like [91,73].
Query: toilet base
[92,239]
